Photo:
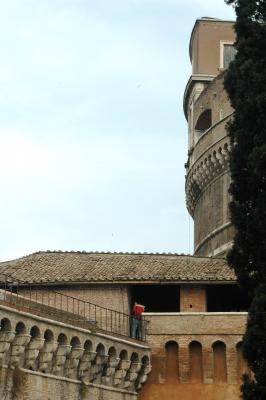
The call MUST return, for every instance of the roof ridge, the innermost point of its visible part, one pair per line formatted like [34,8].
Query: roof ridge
[122,253]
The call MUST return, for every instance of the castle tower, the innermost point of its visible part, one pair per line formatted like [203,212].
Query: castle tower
[208,110]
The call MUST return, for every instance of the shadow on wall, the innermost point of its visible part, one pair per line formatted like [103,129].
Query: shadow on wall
[178,373]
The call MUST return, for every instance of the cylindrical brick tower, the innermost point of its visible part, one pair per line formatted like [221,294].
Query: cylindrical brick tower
[208,110]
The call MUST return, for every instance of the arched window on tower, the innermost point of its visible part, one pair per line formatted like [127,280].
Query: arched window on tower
[204,122]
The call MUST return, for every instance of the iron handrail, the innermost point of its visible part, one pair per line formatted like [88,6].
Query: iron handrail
[25,295]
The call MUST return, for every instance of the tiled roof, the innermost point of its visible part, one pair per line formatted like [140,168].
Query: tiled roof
[62,267]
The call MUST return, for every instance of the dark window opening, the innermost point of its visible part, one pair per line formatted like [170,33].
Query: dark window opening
[229,54]
[204,122]
[227,298]
[157,298]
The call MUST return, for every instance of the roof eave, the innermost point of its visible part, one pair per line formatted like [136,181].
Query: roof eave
[136,282]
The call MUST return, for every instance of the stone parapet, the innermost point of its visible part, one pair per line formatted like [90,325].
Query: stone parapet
[49,348]
[196,323]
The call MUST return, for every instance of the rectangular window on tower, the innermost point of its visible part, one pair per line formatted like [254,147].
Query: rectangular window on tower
[227,54]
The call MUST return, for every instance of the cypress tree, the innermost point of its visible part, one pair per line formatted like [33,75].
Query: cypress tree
[245,82]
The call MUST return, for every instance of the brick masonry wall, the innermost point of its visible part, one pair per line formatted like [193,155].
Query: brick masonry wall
[220,371]
[114,297]
[192,298]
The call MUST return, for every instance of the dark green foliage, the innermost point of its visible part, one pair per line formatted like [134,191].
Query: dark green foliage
[254,349]
[245,83]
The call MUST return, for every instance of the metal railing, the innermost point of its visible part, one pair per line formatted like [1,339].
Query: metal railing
[61,307]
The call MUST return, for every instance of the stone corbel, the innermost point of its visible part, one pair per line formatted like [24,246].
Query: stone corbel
[32,352]
[132,374]
[98,366]
[111,367]
[46,356]
[144,375]
[73,361]
[85,364]
[121,372]
[6,337]
[60,358]
[18,347]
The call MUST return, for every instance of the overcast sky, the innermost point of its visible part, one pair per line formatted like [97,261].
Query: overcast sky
[93,139]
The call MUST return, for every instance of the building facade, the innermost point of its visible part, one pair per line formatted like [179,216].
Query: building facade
[78,306]
[66,318]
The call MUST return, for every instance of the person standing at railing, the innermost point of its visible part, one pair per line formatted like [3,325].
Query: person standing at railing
[136,321]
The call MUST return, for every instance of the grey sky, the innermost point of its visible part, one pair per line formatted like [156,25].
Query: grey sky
[92,133]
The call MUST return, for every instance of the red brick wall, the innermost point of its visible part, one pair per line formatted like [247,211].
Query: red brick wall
[192,298]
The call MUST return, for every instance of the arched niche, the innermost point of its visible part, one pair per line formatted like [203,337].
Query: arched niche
[195,362]
[219,362]
[171,362]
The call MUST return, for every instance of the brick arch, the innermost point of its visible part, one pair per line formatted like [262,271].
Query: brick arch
[219,362]
[195,362]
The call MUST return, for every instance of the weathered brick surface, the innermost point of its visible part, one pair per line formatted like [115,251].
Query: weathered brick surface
[198,324]
[192,298]
[206,329]
[114,297]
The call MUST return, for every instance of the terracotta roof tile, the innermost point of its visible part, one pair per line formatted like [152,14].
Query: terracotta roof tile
[65,267]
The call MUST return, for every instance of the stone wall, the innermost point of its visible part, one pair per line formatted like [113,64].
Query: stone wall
[42,359]
[24,384]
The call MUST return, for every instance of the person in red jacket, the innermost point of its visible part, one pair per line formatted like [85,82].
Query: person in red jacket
[136,321]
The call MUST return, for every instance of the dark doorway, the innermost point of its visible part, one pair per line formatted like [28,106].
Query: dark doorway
[157,298]
[226,298]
